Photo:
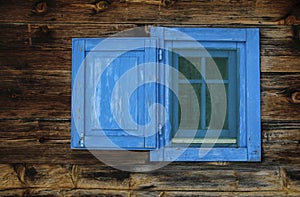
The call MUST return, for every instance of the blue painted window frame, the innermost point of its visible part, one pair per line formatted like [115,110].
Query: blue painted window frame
[245,40]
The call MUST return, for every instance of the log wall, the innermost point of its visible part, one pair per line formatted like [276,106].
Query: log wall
[35,94]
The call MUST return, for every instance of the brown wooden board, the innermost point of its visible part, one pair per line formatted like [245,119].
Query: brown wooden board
[150,11]
[244,178]
[275,40]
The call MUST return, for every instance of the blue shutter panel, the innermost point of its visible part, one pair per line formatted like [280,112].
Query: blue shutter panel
[116,95]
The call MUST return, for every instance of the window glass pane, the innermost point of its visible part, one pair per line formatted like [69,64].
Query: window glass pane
[218,103]
[222,65]
[188,67]
[185,116]
[187,112]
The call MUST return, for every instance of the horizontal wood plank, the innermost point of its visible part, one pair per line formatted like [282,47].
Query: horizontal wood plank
[292,178]
[230,178]
[220,193]
[61,60]
[54,37]
[150,11]
[279,100]
[245,178]
[275,40]
[280,64]
[33,93]
[125,193]
[57,192]
[35,60]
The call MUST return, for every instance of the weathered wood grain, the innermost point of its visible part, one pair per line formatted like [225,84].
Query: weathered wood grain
[48,141]
[125,193]
[64,192]
[244,178]
[39,130]
[281,145]
[150,11]
[276,131]
[284,153]
[220,193]
[280,64]
[275,40]
[231,178]
[35,93]
[58,151]
[254,193]
[45,141]
[9,178]
[292,175]
[52,37]
[277,90]
[35,60]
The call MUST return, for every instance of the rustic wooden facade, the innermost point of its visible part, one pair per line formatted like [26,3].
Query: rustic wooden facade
[35,94]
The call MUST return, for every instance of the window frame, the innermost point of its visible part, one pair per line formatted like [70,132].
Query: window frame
[246,40]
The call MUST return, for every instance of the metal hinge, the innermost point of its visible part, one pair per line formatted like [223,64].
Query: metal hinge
[81,141]
[160,54]
[160,129]
[160,139]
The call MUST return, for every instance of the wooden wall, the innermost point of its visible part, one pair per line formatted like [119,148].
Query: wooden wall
[35,78]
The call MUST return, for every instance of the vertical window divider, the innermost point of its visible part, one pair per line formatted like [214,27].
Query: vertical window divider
[175,86]
[203,95]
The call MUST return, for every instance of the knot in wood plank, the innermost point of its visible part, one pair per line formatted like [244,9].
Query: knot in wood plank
[293,16]
[101,6]
[168,3]
[295,97]
[292,94]
[40,7]
[41,140]
[291,20]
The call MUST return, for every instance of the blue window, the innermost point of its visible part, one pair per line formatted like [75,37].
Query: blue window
[183,94]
